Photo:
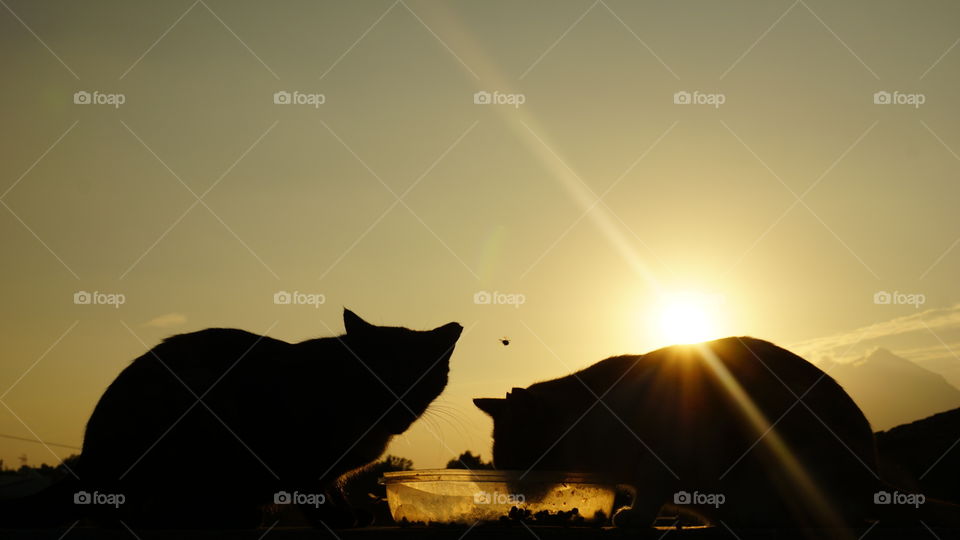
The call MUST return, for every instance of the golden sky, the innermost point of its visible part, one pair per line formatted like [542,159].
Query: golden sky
[781,200]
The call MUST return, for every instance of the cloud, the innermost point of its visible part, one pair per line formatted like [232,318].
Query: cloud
[166,321]
[938,351]
[933,322]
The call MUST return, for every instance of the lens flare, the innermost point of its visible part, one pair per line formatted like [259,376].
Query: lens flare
[686,318]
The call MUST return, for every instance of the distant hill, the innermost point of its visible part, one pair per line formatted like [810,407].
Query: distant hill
[892,390]
[924,455]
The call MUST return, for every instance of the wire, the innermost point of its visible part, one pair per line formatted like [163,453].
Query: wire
[5,436]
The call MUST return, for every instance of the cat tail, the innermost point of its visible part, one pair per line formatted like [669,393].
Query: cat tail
[54,506]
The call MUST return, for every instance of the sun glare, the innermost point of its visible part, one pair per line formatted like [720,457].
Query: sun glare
[687,318]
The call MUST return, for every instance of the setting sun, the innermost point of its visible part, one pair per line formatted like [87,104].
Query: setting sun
[687,318]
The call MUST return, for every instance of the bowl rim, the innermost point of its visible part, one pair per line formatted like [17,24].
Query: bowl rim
[493,475]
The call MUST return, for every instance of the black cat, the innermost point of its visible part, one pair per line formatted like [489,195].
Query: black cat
[207,427]
[717,427]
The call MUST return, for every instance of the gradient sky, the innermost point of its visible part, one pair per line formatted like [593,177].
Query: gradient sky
[790,205]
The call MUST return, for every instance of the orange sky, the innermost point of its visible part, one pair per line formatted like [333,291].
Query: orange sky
[782,192]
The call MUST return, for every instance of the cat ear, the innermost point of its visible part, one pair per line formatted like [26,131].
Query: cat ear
[449,332]
[522,397]
[491,406]
[354,324]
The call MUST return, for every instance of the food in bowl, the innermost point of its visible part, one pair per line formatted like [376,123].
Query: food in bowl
[469,496]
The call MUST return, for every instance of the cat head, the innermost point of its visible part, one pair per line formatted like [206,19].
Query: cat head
[409,365]
[526,430]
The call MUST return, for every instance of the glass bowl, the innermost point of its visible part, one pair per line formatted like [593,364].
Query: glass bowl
[470,496]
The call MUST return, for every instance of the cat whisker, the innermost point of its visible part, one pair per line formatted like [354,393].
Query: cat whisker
[430,423]
[453,412]
[445,416]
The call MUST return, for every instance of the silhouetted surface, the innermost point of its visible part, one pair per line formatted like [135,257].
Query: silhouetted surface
[927,453]
[484,533]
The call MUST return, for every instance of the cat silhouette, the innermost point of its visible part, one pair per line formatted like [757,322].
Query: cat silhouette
[737,430]
[208,427]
